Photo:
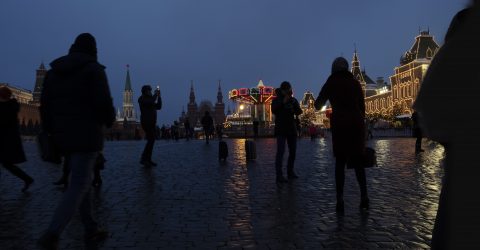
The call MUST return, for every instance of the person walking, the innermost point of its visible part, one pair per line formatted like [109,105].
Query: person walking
[186,124]
[149,104]
[219,131]
[417,133]
[11,149]
[285,107]
[453,75]
[256,123]
[312,130]
[207,123]
[75,107]
[347,125]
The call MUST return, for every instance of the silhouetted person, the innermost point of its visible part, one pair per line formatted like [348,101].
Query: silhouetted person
[417,133]
[347,125]
[299,126]
[451,86]
[163,132]
[11,149]
[186,124]
[219,131]
[255,128]
[285,107]
[369,128]
[174,128]
[75,107]
[149,104]
[207,123]
[312,130]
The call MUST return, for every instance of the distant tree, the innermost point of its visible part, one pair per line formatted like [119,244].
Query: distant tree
[396,111]
[308,117]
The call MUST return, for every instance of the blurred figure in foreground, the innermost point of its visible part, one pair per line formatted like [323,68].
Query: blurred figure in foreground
[75,107]
[453,78]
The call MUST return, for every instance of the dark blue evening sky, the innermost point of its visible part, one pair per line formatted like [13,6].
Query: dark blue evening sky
[170,42]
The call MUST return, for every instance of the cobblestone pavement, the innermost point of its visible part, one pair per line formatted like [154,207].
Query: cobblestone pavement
[193,201]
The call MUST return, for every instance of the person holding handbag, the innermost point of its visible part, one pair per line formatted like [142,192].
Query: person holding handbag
[347,124]
[11,149]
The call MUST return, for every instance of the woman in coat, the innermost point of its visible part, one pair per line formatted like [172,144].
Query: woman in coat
[347,124]
[11,149]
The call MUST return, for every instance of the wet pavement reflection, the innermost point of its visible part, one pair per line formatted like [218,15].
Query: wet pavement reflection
[193,201]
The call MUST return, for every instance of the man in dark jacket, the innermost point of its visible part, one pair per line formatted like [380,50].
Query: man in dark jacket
[149,104]
[417,133]
[207,123]
[285,107]
[76,105]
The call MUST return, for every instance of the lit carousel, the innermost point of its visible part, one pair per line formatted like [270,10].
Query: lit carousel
[252,104]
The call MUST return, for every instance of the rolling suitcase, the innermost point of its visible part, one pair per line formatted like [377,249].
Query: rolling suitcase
[222,150]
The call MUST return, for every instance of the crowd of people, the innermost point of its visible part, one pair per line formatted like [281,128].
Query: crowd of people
[75,129]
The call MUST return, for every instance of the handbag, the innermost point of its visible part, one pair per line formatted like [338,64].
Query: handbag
[367,160]
[48,151]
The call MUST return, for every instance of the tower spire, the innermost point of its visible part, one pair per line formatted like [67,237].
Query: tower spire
[128,82]
[219,93]
[192,93]
[40,76]
[128,109]
[356,70]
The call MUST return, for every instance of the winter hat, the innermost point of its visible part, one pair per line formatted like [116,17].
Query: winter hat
[285,85]
[339,64]
[85,43]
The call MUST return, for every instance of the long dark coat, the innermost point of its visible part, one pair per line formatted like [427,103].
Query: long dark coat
[285,113]
[11,149]
[76,103]
[207,123]
[348,113]
[148,110]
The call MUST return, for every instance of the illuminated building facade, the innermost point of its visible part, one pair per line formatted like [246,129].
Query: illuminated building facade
[384,100]
[405,82]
